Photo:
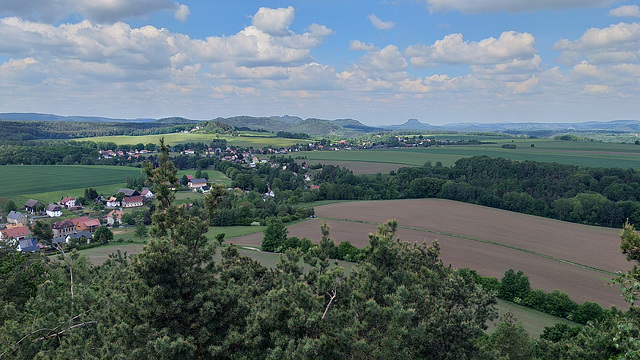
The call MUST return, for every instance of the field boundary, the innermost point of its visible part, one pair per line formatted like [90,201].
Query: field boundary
[573,263]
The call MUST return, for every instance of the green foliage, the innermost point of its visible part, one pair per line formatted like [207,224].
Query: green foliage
[141,231]
[103,235]
[514,286]
[510,340]
[275,236]
[10,206]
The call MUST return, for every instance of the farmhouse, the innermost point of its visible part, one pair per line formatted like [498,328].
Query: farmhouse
[18,233]
[133,201]
[15,217]
[115,217]
[112,202]
[62,228]
[68,202]
[195,184]
[147,194]
[88,225]
[86,235]
[54,210]
[128,192]
[32,206]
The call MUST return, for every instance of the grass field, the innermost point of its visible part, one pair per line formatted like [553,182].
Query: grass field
[214,176]
[49,183]
[180,138]
[564,152]
[576,259]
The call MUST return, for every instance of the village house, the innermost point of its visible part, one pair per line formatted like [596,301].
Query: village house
[18,233]
[68,202]
[133,201]
[54,210]
[128,192]
[88,225]
[32,206]
[147,194]
[62,228]
[112,202]
[79,236]
[115,217]
[195,184]
[15,217]
[28,245]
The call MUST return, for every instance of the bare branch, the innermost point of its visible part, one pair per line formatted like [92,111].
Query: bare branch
[333,296]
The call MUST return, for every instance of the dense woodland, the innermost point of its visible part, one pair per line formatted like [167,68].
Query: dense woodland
[174,301]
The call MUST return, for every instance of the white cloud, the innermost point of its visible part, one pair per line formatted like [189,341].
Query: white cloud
[626,11]
[454,50]
[386,60]
[356,45]
[477,6]
[596,89]
[379,24]
[98,11]
[614,44]
[182,13]
[523,87]
[274,22]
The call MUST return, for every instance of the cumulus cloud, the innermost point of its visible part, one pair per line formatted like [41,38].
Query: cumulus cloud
[454,50]
[386,60]
[626,11]
[523,87]
[379,24]
[97,11]
[182,13]
[614,44]
[475,6]
[356,45]
[274,21]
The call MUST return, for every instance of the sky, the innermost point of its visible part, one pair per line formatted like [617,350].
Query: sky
[379,62]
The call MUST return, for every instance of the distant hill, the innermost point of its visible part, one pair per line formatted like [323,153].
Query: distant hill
[413,124]
[311,126]
[51,117]
[176,121]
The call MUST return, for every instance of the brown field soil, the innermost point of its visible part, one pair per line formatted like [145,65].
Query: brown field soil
[361,167]
[576,259]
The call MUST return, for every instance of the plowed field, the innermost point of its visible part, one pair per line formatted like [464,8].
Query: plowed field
[576,259]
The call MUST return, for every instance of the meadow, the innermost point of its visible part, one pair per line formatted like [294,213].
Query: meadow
[579,260]
[257,141]
[593,154]
[49,183]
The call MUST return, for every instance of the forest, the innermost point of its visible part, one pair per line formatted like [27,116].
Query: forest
[174,300]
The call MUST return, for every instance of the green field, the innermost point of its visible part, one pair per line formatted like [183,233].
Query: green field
[48,183]
[564,152]
[181,138]
[214,176]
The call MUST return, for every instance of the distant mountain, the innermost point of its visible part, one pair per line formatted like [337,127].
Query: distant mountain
[413,124]
[51,117]
[311,126]
[176,121]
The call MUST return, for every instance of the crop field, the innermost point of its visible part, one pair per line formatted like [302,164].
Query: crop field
[576,259]
[48,183]
[181,138]
[563,152]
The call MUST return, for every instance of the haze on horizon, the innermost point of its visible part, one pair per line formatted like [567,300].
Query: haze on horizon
[380,63]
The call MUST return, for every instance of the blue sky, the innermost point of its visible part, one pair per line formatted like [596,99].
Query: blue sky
[379,62]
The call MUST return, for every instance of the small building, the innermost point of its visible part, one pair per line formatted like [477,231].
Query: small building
[133,201]
[195,184]
[147,194]
[28,245]
[15,217]
[63,228]
[68,202]
[32,206]
[79,236]
[128,192]
[115,217]
[112,202]
[88,225]
[18,233]
[54,210]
